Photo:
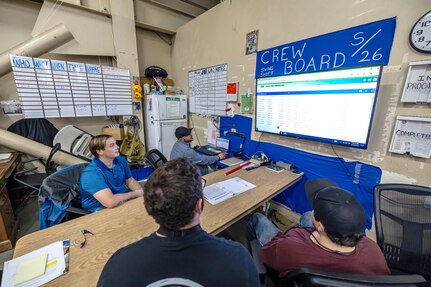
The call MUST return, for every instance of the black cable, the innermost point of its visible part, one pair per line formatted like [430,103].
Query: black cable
[258,143]
[213,120]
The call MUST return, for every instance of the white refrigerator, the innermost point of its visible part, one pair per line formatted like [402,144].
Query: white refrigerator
[163,114]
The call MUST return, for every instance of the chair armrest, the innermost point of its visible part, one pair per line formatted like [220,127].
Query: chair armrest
[77,210]
[256,250]
[308,275]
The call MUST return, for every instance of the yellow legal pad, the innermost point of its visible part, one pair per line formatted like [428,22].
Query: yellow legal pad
[30,269]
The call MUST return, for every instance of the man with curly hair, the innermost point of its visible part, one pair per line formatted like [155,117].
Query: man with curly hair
[336,242]
[180,252]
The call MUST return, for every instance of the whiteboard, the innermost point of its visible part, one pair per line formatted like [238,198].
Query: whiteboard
[59,89]
[207,88]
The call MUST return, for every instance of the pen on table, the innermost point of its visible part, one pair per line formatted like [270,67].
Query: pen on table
[237,168]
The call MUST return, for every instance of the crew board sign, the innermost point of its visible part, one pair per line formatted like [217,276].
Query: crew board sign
[358,46]
[53,89]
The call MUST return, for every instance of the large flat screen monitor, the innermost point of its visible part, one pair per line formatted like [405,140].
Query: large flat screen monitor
[333,106]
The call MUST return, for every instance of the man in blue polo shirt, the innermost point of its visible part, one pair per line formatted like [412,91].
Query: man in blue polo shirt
[107,180]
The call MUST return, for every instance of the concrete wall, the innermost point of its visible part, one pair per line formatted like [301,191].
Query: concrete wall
[218,36]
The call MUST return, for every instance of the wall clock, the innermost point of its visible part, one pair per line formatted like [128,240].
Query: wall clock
[420,35]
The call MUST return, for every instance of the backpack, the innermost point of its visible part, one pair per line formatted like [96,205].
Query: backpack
[154,71]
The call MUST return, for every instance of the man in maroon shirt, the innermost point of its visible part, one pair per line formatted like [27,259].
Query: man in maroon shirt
[336,243]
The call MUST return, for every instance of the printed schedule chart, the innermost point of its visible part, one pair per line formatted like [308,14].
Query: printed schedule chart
[56,89]
[207,89]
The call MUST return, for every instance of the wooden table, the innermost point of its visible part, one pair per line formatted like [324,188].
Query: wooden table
[125,224]
[8,224]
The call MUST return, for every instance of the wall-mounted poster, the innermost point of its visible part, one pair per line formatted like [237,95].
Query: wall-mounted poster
[364,45]
[246,103]
[417,88]
[251,42]
[232,92]
[11,107]
[412,136]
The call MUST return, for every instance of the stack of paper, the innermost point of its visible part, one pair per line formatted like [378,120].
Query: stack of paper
[37,267]
[223,190]
[30,269]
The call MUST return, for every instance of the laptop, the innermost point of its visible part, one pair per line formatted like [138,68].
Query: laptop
[222,146]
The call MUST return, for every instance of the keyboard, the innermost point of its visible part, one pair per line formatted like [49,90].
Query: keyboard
[207,151]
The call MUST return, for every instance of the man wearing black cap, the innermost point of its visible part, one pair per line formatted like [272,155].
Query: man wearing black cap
[336,243]
[182,148]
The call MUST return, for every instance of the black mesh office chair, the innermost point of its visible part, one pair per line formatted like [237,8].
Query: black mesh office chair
[59,197]
[306,277]
[155,158]
[32,180]
[403,226]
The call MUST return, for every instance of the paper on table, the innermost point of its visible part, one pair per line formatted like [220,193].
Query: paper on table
[223,190]
[30,269]
[55,265]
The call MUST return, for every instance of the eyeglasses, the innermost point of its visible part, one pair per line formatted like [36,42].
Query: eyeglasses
[84,233]
[204,182]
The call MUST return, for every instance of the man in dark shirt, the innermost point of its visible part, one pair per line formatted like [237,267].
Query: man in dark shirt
[179,253]
[337,242]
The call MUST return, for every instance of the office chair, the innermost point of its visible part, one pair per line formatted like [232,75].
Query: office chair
[29,178]
[306,277]
[402,214]
[155,158]
[59,197]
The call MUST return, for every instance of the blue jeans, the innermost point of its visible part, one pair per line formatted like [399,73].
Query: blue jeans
[263,230]
[306,220]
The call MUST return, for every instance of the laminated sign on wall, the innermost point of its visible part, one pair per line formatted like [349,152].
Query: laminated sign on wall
[418,83]
[412,136]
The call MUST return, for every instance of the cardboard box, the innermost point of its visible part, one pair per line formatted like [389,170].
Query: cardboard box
[116,133]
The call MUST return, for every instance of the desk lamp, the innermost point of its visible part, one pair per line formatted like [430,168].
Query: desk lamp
[238,153]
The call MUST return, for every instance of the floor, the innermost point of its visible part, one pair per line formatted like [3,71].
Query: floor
[28,217]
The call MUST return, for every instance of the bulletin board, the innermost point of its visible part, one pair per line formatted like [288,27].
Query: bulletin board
[412,136]
[59,89]
[207,90]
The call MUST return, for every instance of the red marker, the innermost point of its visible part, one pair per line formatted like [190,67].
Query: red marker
[237,168]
